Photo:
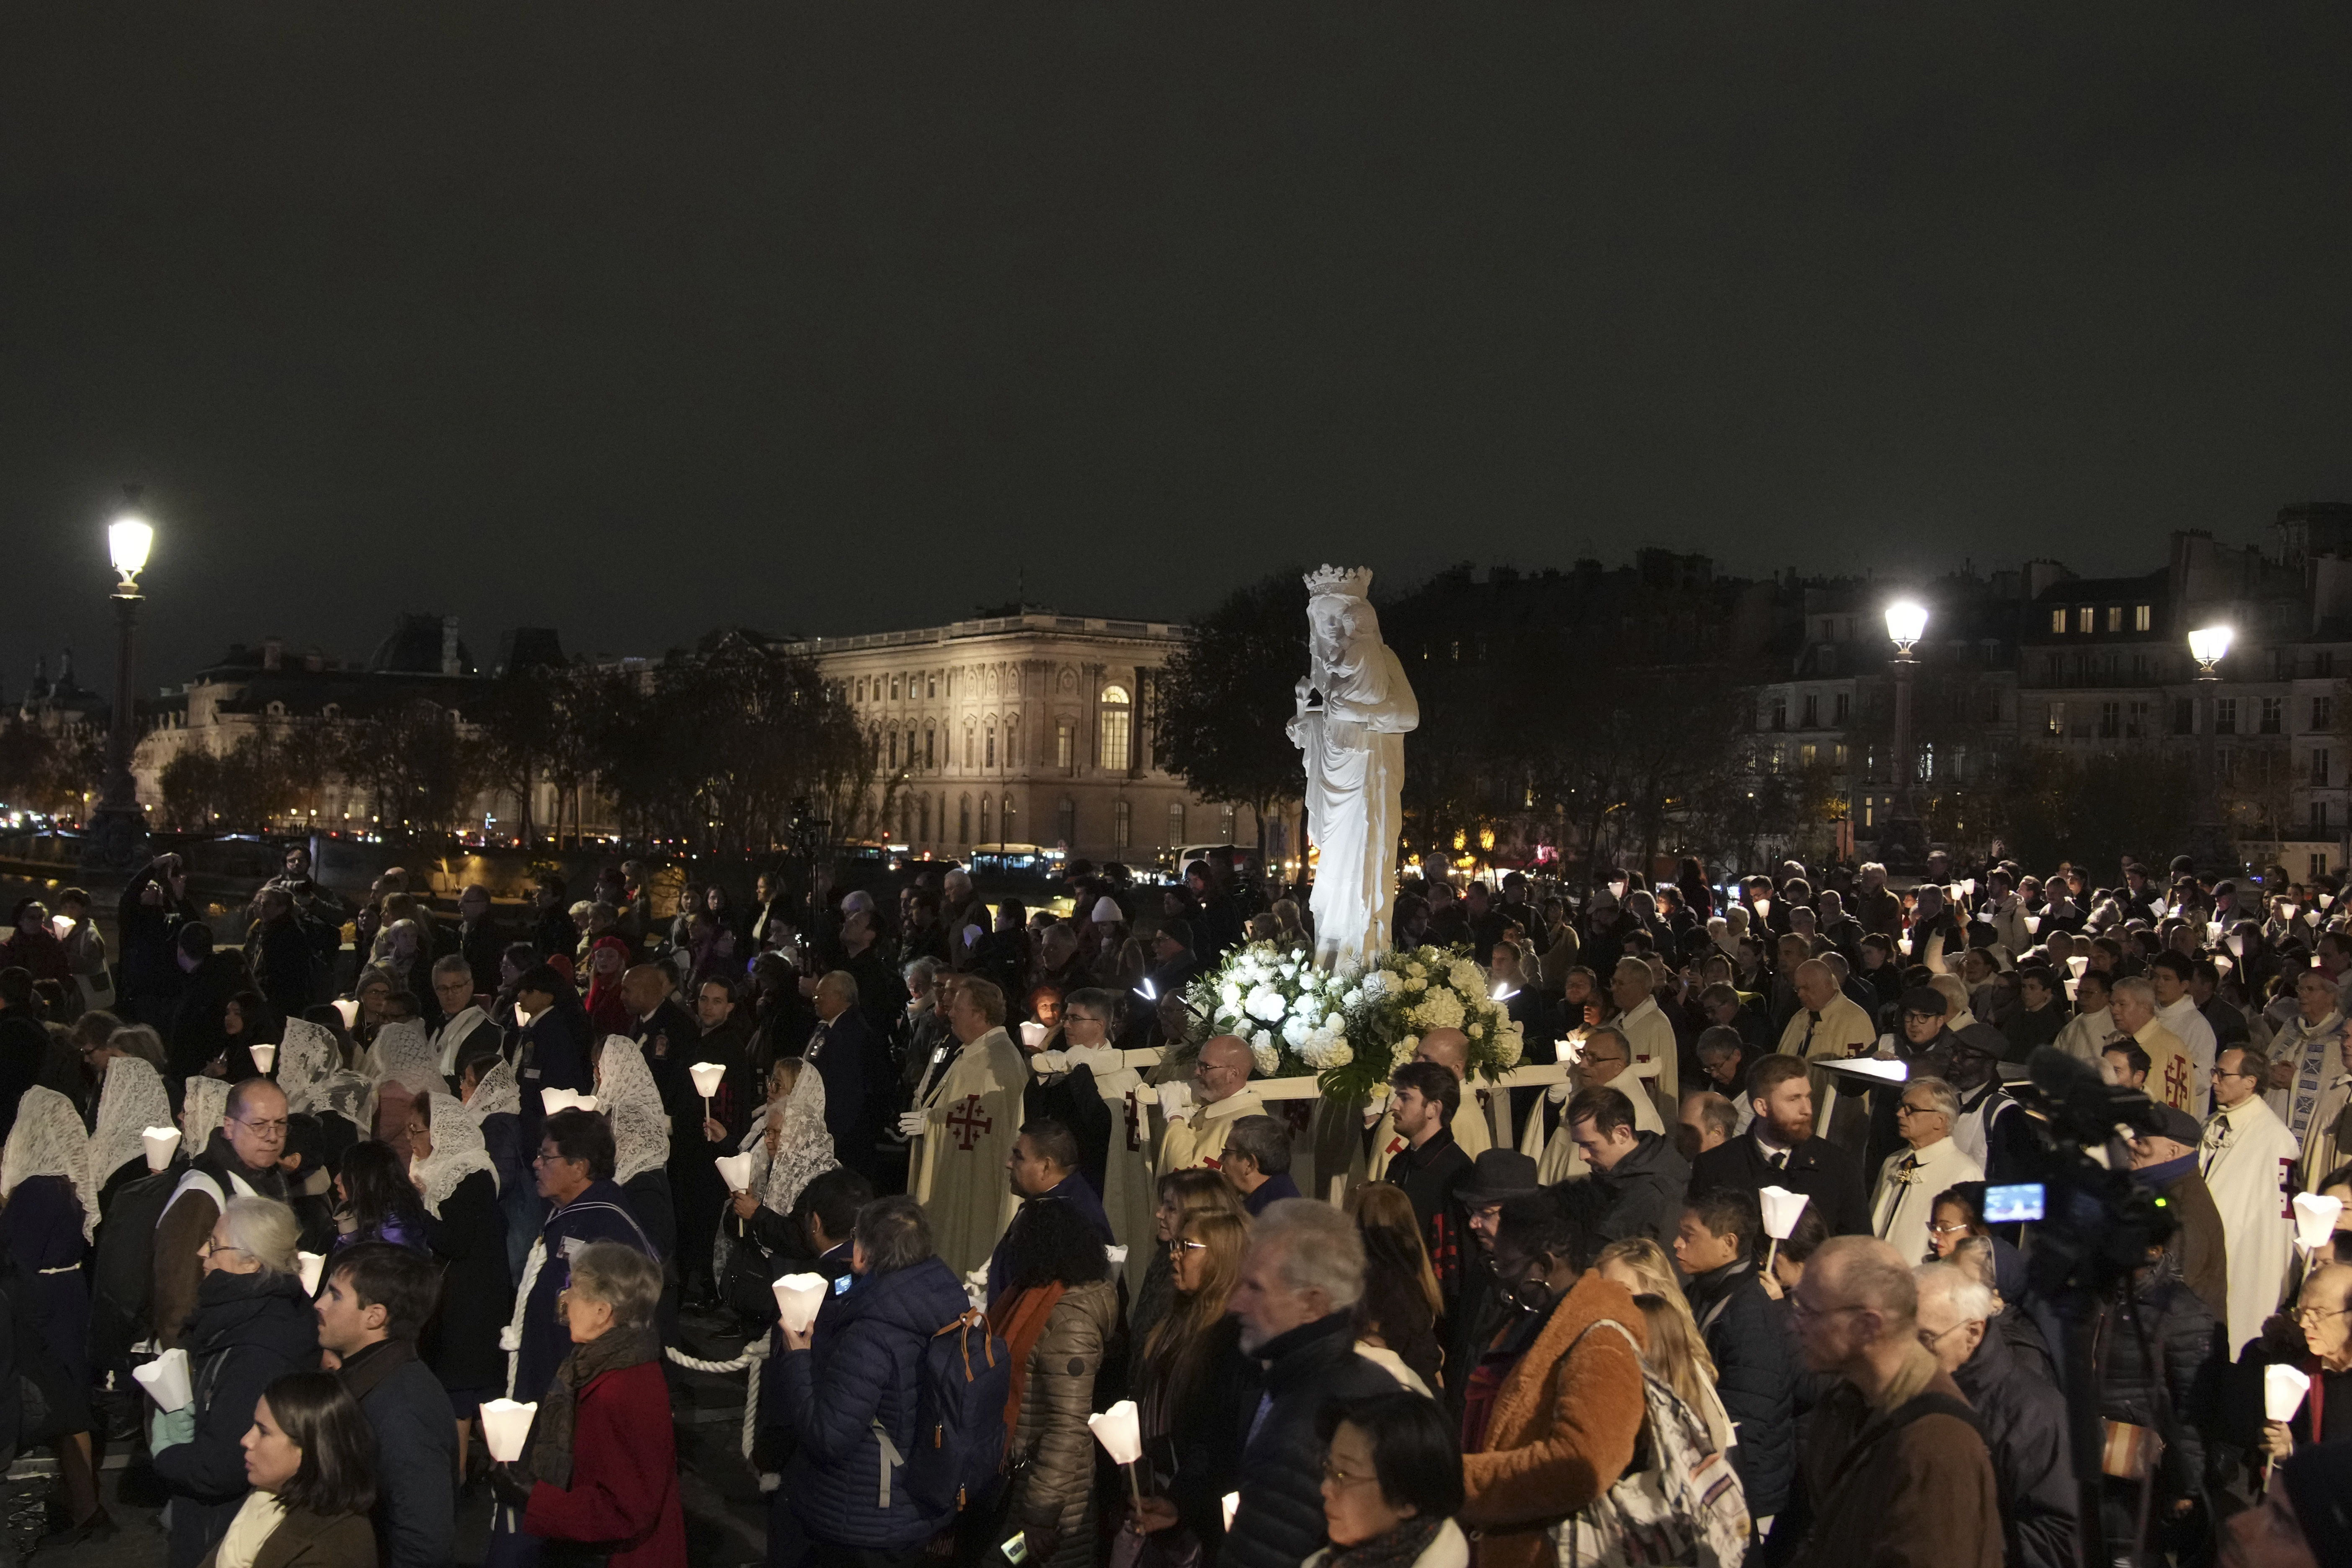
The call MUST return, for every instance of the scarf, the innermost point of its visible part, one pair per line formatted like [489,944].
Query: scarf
[617,1350]
[2311,1041]
[1019,1320]
[1397,1548]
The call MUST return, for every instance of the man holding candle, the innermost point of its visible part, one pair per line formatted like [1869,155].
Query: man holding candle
[2248,1157]
[1778,1149]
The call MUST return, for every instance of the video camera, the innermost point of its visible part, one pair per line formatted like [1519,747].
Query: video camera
[2093,1226]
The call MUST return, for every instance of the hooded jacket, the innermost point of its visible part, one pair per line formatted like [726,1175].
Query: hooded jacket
[247,1331]
[863,1365]
[1645,1191]
[1755,1369]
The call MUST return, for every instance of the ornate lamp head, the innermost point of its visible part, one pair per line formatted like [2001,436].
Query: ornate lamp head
[2209,645]
[1906,622]
[127,539]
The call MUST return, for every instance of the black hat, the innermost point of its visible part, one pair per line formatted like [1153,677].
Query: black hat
[1982,1039]
[2179,1125]
[1927,1001]
[1498,1174]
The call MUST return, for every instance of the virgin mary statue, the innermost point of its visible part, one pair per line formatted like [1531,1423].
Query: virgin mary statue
[1354,708]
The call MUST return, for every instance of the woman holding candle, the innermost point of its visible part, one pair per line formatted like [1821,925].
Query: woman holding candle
[1191,1382]
[310,1456]
[466,1231]
[1057,1312]
[601,1469]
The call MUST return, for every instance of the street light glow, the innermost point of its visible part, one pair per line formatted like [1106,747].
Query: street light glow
[1906,620]
[127,539]
[2209,644]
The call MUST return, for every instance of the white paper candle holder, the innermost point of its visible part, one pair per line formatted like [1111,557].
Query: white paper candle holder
[735,1170]
[506,1425]
[166,1379]
[799,1296]
[2314,1219]
[162,1142]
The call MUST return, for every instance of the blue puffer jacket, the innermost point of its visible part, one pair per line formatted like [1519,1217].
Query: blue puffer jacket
[1756,1372]
[862,1365]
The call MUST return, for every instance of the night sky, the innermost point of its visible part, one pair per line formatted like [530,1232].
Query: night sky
[636,321]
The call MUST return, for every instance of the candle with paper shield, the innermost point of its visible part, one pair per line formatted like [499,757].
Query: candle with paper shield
[265,1057]
[1781,1211]
[555,1100]
[2283,1390]
[799,1296]
[1119,1430]
[349,1010]
[311,1264]
[166,1379]
[708,1076]
[505,1426]
[2314,1219]
[160,1144]
[1233,1507]
[735,1170]
[1032,1034]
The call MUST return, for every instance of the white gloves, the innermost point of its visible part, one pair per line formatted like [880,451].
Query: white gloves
[1175,1098]
[1376,1107]
[913,1124]
[1558,1093]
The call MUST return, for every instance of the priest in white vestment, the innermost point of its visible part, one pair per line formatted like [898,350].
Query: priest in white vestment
[966,1127]
[1905,1204]
[2248,1159]
[1605,1060]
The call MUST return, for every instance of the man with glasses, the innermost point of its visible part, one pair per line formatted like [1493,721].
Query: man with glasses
[2323,1313]
[1600,1063]
[2248,1158]
[465,1029]
[1909,1182]
[1220,1086]
[239,1159]
[1891,1468]
[2021,1415]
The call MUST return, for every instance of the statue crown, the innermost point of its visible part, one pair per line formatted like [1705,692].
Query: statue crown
[1350,582]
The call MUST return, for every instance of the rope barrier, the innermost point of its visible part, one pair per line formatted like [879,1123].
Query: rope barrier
[749,1363]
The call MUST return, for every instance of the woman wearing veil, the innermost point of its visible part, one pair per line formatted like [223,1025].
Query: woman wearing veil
[48,1211]
[626,1094]
[795,1149]
[465,1228]
[494,1101]
[316,1083]
[406,1065]
[132,1101]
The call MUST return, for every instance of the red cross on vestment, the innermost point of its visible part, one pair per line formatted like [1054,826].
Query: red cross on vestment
[968,1121]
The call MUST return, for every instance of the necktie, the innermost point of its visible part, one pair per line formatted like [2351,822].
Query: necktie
[1780,1160]
[1812,1021]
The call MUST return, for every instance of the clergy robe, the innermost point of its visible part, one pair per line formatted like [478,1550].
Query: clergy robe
[1558,1159]
[1129,1189]
[972,1117]
[2086,1035]
[1908,1185]
[1651,1035]
[2171,1074]
[1839,1031]
[1472,1127]
[2316,1052]
[2248,1160]
[1196,1141]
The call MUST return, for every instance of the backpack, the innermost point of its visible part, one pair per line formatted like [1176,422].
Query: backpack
[123,1276]
[1679,1502]
[961,1384]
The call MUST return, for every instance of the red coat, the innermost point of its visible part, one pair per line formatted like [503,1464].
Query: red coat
[624,1473]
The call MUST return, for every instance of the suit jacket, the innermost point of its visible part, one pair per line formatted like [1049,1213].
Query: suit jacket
[838,1050]
[1825,1174]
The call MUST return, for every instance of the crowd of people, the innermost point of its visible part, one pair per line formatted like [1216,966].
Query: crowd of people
[430,1163]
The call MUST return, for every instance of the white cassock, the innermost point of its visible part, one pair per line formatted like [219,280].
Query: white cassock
[971,1119]
[1908,1185]
[2249,1157]
[1472,1127]
[1558,1159]
[1131,1193]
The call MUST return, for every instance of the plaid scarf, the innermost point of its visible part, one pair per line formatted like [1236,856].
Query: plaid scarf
[615,1349]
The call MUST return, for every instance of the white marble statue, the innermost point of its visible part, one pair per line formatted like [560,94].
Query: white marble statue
[1354,708]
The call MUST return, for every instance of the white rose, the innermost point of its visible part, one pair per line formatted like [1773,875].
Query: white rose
[1269,1003]
[1294,1031]
[1477,1031]
[1310,982]
[1415,970]
[1416,983]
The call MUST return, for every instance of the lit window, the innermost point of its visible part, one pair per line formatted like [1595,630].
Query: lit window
[1065,746]
[2115,618]
[992,746]
[1117,712]
[2058,622]
[2139,617]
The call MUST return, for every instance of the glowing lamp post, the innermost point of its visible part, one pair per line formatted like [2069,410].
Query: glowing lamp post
[115,837]
[1903,843]
[2209,839]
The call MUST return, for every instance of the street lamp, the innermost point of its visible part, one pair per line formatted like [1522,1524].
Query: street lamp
[1903,843]
[2209,836]
[115,837]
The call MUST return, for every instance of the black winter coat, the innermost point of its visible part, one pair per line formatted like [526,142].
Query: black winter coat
[2024,1419]
[1280,1523]
[2191,1356]
[461,1345]
[1823,1172]
[1645,1191]
[415,1455]
[1756,1369]
[863,1365]
[247,1331]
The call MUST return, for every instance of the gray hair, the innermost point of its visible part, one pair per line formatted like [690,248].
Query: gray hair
[266,1231]
[1319,1249]
[1872,1274]
[1614,1033]
[1870,865]
[1970,1299]
[2134,987]
[921,974]
[453,963]
[1266,1141]
[1946,1098]
[839,984]
[621,1278]
[893,1234]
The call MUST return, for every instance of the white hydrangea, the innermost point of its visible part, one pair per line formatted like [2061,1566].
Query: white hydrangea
[1268,1059]
[1232,993]
[1416,985]
[1295,1030]
[1269,1003]
[1467,978]
[1509,1046]
[1439,1010]
[1415,970]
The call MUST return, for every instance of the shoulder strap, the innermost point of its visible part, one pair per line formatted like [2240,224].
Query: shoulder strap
[197,1181]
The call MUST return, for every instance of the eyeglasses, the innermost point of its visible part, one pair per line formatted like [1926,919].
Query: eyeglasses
[263,1129]
[1929,1340]
[1179,1246]
[548,1157]
[211,1246]
[1333,1475]
[1958,1227]
[2319,1314]
[1801,1307]
[1904,1108]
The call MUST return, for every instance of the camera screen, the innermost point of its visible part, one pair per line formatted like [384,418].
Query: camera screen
[2007,1205]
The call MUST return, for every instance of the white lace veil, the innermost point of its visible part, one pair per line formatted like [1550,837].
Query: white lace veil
[496,1092]
[346,1094]
[49,1140]
[305,1057]
[458,1152]
[205,1103]
[133,1099]
[804,1147]
[404,1054]
[626,1093]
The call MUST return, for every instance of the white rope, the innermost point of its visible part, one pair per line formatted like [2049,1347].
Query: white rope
[747,1364]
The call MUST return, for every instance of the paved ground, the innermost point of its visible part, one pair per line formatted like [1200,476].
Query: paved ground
[726,1516]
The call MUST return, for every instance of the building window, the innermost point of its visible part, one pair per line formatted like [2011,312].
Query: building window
[1779,712]
[930,748]
[2136,722]
[2115,618]
[894,750]
[2225,715]
[1839,756]
[931,685]
[1175,824]
[1065,750]
[2057,723]
[963,820]
[2140,667]
[1122,816]
[969,747]
[992,746]
[2086,619]
[2322,713]
[2319,828]
[2323,665]
[2319,768]
[2184,715]
[1116,712]
[2111,715]
[2274,714]
[985,836]
[1844,707]
[1005,820]
[1813,711]
[923,820]
[2140,617]
[1807,755]
[2319,863]
[2058,623]
[1066,821]
[1928,762]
